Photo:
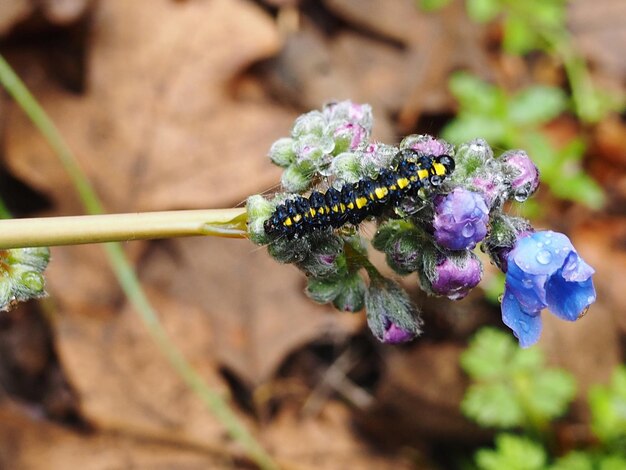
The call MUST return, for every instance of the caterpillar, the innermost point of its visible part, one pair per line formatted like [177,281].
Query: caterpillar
[354,202]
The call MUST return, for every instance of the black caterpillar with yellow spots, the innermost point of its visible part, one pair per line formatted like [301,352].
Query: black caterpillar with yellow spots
[356,201]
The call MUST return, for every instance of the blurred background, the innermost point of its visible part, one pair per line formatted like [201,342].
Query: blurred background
[174,105]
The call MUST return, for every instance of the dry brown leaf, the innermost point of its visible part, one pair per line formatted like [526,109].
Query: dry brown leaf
[419,397]
[157,127]
[326,442]
[27,443]
[256,308]
[12,12]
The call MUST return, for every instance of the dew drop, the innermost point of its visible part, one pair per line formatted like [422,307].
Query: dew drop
[527,283]
[468,230]
[524,326]
[544,257]
[500,298]
[539,245]
[584,312]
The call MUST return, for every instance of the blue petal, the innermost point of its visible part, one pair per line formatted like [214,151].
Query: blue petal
[529,290]
[575,269]
[568,300]
[541,253]
[525,326]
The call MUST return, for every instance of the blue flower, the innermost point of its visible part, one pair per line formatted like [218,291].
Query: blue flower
[544,271]
[461,219]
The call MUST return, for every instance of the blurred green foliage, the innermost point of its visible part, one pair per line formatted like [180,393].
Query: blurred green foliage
[513,388]
[516,121]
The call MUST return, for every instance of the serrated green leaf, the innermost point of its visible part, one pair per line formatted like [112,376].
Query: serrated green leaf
[552,392]
[608,408]
[483,10]
[489,354]
[512,453]
[519,37]
[432,5]
[536,105]
[574,461]
[492,405]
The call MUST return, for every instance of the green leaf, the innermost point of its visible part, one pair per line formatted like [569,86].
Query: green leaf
[612,462]
[483,11]
[469,127]
[608,408]
[512,453]
[477,96]
[519,37]
[536,105]
[489,354]
[574,461]
[432,5]
[553,390]
[492,405]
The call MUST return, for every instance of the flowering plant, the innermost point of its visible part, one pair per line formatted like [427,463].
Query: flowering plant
[432,205]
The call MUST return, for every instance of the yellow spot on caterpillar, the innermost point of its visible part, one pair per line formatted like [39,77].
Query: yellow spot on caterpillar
[312,212]
[393,187]
[335,208]
[439,169]
[342,207]
[423,174]
[381,192]
[361,202]
[297,218]
[321,210]
[403,183]
[350,206]
[287,222]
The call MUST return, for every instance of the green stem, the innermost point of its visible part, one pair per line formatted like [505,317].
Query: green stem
[214,402]
[75,230]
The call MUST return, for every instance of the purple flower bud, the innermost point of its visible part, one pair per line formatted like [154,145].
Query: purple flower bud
[455,276]
[390,314]
[349,136]
[356,113]
[488,187]
[521,172]
[461,219]
[395,334]
[427,145]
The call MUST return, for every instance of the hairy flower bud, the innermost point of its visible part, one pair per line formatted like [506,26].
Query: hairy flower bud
[461,219]
[427,145]
[456,275]
[390,314]
[259,210]
[326,256]
[297,178]
[21,275]
[521,174]
[282,152]
[311,123]
[351,296]
[472,156]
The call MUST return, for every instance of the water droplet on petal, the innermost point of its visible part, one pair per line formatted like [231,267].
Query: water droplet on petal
[468,230]
[524,326]
[544,257]
[539,245]
[500,298]
[527,283]
[584,312]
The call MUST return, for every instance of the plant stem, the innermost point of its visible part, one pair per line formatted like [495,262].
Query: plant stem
[125,274]
[75,230]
